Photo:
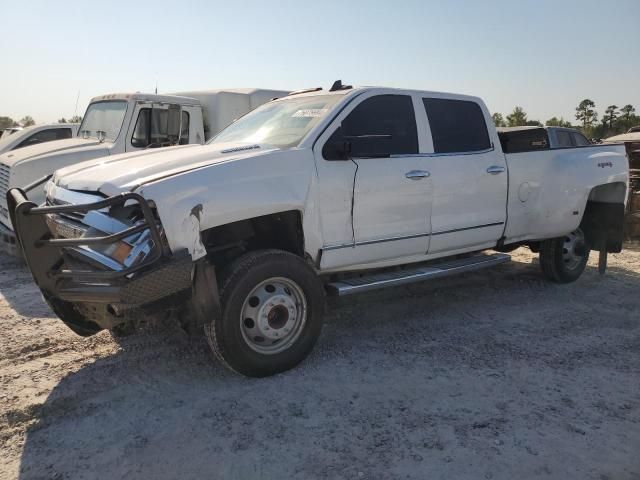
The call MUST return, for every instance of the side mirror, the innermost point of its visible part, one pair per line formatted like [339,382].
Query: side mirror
[173,123]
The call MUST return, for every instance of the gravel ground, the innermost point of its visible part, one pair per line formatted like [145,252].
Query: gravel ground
[494,374]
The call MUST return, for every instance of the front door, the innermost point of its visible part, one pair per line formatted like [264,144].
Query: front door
[391,189]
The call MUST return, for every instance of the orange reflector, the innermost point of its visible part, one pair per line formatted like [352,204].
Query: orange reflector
[121,252]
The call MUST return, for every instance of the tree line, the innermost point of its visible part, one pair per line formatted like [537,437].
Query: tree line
[27,121]
[614,121]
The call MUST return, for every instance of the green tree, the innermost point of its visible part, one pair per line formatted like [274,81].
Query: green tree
[62,120]
[586,114]
[7,122]
[557,122]
[517,118]
[533,123]
[75,119]
[627,111]
[498,120]
[27,121]
[610,115]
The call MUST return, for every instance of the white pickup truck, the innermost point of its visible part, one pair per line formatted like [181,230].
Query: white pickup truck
[36,134]
[337,191]
[117,123]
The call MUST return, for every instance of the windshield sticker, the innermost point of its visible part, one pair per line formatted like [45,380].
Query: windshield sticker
[310,113]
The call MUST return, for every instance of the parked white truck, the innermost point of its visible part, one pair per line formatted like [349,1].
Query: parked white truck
[118,123]
[36,134]
[337,191]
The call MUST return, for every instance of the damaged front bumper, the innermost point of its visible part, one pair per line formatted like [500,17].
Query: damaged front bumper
[85,290]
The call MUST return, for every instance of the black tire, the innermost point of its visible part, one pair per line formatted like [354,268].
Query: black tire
[553,258]
[227,335]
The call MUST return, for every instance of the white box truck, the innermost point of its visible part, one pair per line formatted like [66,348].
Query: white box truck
[125,122]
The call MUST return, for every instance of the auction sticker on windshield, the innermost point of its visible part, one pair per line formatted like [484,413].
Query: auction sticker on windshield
[310,112]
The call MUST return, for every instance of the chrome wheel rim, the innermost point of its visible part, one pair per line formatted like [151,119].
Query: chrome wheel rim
[573,250]
[273,315]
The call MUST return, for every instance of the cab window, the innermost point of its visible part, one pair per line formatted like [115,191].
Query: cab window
[380,126]
[457,126]
[151,129]
[46,136]
[579,140]
[564,139]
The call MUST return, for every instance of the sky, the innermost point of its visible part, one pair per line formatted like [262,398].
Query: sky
[542,55]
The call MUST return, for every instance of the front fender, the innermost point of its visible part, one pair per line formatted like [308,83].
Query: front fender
[197,200]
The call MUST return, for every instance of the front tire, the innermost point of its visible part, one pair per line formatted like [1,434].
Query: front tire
[564,259]
[272,312]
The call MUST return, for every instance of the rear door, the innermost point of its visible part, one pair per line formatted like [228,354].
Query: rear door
[469,177]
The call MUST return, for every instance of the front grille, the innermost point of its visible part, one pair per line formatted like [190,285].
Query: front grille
[75,216]
[5,172]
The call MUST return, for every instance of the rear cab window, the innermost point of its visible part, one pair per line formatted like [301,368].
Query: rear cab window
[457,126]
[579,140]
[563,139]
[526,140]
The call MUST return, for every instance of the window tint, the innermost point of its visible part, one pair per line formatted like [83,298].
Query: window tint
[46,136]
[525,140]
[381,126]
[456,125]
[151,129]
[580,140]
[564,139]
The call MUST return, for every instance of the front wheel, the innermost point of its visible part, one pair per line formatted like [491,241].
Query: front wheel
[564,259]
[272,311]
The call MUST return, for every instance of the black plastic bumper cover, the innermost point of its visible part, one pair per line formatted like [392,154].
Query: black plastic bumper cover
[157,277]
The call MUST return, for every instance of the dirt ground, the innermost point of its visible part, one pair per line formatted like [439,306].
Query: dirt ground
[494,374]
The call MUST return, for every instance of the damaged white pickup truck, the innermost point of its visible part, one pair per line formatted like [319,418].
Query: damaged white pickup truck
[337,191]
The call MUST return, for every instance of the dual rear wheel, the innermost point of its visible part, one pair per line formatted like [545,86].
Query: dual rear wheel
[564,259]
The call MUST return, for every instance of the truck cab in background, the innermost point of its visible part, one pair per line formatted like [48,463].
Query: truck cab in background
[123,123]
[533,138]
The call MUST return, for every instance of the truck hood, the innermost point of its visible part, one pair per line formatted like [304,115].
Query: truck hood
[55,147]
[128,171]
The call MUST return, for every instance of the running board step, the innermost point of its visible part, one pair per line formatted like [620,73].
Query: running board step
[412,275]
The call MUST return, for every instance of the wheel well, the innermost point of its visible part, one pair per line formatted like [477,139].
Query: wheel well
[282,230]
[609,193]
[603,219]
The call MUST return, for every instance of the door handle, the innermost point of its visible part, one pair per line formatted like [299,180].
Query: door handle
[417,174]
[495,169]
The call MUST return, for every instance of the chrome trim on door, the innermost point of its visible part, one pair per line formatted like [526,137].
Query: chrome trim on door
[417,174]
[448,154]
[404,237]
[495,169]
[372,242]
[443,232]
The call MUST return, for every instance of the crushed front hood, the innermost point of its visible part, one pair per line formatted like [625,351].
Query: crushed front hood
[126,172]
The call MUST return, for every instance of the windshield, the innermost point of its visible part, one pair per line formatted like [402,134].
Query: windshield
[282,124]
[104,117]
